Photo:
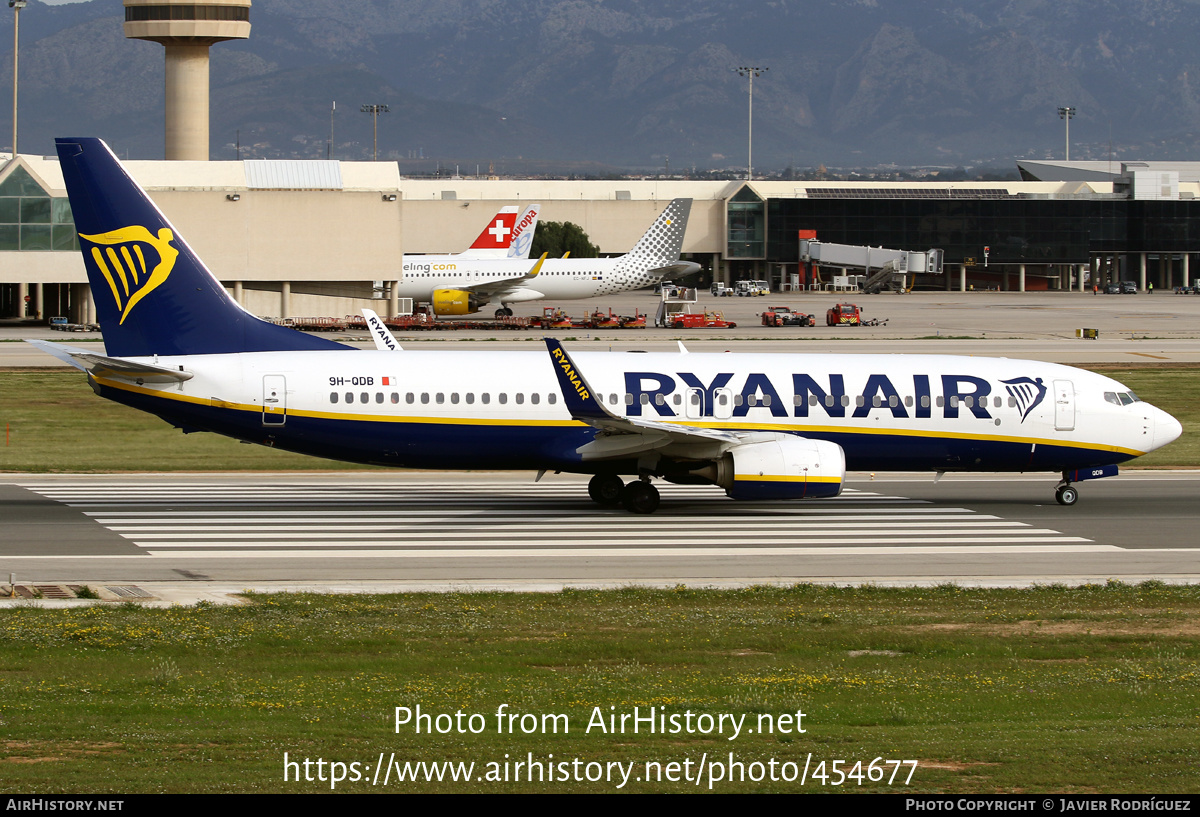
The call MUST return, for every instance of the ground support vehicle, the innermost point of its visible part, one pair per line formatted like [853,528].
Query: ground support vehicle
[719,290]
[843,315]
[750,288]
[784,316]
[696,320]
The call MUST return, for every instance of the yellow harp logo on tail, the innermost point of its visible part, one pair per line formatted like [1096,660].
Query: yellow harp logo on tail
[122,261]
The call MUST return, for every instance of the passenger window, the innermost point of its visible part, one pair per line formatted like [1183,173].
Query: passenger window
[486,398]
[893,401]
[425,398]
[860,401]
[954,401]
[969,401]
[378,397]
[925,401]
[349,397]
[876,402]
[845,400]
[678,399]
[628,399]
[470,398]
[503,398]
[535,398]
[612,398]
[333,397]
[645,399]
[520,398]
[440,398]
[552,398]
[454,397]
[737,399]
[410,398]
[395,397]
[364,397]
[908,401]
[941,401]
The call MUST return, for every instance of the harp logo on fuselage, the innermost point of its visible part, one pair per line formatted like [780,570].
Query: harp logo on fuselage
[132,273]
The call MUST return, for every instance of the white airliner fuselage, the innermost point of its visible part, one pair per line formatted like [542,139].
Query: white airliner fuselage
[506,409]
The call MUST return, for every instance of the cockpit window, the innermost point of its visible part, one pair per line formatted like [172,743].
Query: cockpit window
[1123,398]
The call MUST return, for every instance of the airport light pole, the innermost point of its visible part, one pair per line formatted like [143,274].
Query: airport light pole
[375,110]
[1067,114]
[750,71]
[16,6]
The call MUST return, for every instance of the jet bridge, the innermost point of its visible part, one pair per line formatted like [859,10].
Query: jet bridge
[883,268]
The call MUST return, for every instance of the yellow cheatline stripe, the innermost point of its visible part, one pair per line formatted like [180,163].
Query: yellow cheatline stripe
[99,259]
[782,478]
[375,418]
[116,263]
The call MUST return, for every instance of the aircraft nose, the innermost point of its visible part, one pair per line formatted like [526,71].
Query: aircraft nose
[1166,428]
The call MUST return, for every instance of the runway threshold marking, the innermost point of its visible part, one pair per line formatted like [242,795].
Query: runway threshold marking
[485,519]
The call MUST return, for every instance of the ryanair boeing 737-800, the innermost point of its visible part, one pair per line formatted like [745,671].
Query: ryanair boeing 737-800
[761,426]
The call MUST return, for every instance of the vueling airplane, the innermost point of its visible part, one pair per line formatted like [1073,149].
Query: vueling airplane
[457,286]
[761,426]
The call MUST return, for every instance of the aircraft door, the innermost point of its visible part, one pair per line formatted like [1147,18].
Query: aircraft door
[722,404]
[1064,405]
[274,412]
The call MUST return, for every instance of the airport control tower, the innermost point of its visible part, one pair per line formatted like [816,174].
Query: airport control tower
[187,30]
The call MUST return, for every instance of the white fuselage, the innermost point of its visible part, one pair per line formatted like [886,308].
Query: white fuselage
[486,409]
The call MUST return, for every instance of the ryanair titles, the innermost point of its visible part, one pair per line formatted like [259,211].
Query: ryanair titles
[947,394]
[568,371]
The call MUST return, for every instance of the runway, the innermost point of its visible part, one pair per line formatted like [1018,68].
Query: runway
[502,530]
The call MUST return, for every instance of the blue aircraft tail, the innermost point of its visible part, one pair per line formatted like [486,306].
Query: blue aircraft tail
[153,295]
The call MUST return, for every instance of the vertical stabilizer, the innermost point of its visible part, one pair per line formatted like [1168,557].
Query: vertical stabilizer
[658,248]
[153,295]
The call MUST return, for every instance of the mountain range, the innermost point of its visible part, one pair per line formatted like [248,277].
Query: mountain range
[596,85]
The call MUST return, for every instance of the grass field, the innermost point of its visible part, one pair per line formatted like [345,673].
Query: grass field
[56,424]
[1088,690]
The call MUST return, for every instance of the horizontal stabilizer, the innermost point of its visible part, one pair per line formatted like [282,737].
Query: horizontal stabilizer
[111,367]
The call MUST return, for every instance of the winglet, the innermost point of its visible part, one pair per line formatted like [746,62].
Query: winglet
[577,394]
[385,341]
[533,273]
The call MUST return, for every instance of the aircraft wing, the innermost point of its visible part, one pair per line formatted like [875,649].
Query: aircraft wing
[490,288]
[623,436]
[113,367]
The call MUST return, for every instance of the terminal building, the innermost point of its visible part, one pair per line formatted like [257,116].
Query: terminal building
[323,238]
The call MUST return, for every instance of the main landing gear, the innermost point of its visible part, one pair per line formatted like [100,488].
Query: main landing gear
[504,312]
[639,496]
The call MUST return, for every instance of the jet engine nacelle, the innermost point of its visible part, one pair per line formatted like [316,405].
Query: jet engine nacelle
[456,302]
[786,467]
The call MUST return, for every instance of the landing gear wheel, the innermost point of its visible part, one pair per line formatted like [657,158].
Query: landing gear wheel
[502,312]
[1066,495]
[508,311]
[606,489]
[640,497]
